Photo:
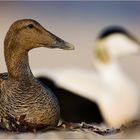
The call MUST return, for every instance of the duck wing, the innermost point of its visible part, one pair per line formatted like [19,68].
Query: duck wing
[85,83]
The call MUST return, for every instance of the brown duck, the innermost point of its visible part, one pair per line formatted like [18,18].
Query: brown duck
[21,94]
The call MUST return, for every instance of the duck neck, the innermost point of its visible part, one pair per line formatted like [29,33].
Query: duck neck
[110,72]
[17,63]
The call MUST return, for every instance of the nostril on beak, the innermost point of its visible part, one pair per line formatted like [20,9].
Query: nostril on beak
[60,43]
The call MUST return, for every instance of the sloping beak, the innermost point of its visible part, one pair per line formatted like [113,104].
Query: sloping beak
[60,43]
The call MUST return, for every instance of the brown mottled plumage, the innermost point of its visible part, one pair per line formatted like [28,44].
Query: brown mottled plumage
[20,92]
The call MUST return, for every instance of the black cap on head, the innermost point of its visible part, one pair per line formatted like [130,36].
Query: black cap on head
[112,30]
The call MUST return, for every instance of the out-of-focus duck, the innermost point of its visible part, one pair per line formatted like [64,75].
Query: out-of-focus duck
[116,95]
[21,94]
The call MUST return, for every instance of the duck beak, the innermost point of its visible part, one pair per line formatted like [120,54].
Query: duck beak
[61,44]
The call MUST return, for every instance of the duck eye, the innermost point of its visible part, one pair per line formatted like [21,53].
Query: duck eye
[30,25]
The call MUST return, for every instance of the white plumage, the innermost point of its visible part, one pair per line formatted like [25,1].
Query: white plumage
[115,93]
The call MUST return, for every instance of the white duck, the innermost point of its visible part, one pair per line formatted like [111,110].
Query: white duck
[109,86]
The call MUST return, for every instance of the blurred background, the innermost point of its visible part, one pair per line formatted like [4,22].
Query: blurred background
[79,23]
[76,22]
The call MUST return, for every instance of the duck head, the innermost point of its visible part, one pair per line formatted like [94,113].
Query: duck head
[116,42]
[29,34]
